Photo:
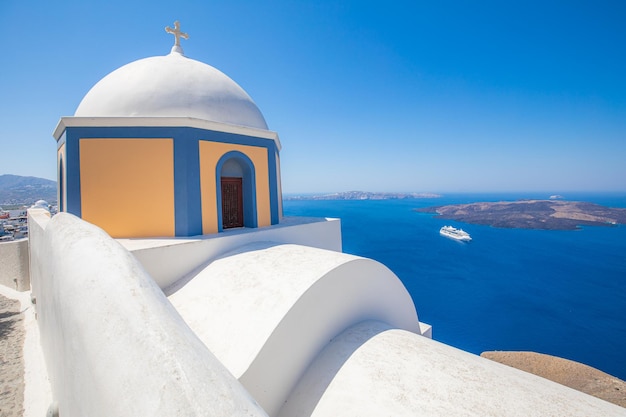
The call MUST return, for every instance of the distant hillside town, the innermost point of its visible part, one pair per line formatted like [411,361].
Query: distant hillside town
[17,195]
[14,223]
[16,190]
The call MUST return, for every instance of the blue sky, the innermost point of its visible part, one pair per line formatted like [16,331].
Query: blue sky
[449,96]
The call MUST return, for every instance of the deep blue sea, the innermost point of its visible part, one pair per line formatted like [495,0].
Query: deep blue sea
[557,292]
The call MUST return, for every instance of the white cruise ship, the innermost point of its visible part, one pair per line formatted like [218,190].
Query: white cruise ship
[456,234]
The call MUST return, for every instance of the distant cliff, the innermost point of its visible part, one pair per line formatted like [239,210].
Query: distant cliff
[532,214]
[18,190]
[360,195]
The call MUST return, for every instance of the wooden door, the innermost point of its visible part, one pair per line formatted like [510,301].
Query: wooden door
[232,202]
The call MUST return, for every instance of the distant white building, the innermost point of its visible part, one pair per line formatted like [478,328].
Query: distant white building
[42,204]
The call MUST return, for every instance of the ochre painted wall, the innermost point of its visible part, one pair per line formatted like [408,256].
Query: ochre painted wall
[210,153]
[127,186]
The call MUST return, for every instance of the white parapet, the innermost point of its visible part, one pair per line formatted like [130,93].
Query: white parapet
[168,260]
[14,272]
[113,344]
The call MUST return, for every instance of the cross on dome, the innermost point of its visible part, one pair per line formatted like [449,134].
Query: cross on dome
[177,35]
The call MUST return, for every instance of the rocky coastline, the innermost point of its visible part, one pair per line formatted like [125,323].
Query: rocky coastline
[532,214]
[572,374]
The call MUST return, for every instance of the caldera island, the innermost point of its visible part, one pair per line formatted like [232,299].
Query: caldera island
[532,214]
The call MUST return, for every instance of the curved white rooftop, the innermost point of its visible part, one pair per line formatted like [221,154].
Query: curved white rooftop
[267,297]
[171,86]
[372,370]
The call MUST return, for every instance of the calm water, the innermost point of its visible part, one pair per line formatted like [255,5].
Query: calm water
[557,292]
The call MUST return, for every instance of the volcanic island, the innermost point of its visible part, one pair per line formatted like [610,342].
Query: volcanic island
[532,214]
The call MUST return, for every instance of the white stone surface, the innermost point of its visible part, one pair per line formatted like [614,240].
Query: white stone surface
[113,344]
[171,86]
[373,370]
[267,310]
[14,265]
[169,260]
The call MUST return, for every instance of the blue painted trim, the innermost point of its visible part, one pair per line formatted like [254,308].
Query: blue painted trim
[271,168]
[135,132]
[72,177]
[187,191]
[187,199]
[249,188]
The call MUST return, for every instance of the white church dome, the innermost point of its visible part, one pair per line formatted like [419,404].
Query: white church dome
[40,204]
[171,86]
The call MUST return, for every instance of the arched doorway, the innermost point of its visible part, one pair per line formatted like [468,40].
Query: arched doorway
[236,191]
[232,202]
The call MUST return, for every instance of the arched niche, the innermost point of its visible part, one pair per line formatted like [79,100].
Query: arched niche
[232,167]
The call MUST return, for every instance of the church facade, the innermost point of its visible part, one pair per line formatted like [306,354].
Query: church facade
[168,146]
[135,178]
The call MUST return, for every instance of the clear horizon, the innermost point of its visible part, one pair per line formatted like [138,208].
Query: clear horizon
[456,97]
[561,193]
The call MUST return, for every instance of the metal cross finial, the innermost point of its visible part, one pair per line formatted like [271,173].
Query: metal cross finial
[177,33]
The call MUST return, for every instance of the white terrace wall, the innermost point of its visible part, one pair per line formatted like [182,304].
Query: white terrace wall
[113,344]
[170,260]
[14,265]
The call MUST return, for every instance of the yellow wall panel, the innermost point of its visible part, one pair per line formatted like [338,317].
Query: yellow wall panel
[208,192]
[210,154]
[127,186]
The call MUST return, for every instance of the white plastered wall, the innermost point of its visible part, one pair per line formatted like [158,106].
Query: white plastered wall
[372,370]
[113,344]
[14,272]
[169,260]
